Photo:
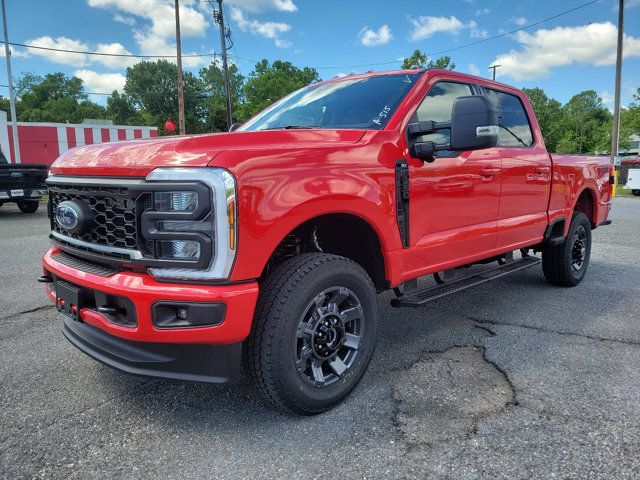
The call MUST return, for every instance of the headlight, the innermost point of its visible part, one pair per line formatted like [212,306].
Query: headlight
[193,228]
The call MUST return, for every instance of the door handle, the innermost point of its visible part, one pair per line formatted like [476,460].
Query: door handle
[542,170]
[489,173]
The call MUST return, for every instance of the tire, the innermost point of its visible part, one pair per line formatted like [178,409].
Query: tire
[313,333]
[28,206]
[636,192]
[566,264]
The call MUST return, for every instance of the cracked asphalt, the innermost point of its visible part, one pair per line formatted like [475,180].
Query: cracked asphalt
[512,379]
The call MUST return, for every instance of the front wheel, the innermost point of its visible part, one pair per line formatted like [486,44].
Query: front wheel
[313,333]
[566,264]
[28,206]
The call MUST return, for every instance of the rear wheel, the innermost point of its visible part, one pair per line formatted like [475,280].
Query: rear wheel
[566,264]
[313,332]
[636,192]
[28,206]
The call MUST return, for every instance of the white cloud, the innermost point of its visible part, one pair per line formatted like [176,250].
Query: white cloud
[158,36]
[63,43]
[482,11]
[114,62]
[425,27]
[593,44]
[520,21]
[256,6]
[607,97]
[473,70]
[271,30]
[101,82]
[373,38]
[475,31]
[130,21]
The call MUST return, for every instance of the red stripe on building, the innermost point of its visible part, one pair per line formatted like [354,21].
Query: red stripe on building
[137,133]
[88,136]
[153,133]
[71,137]
[122,134]
[105,134]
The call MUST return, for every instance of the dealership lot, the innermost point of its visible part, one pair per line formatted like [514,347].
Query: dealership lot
[512,379]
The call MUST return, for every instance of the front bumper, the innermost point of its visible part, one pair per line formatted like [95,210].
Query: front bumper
[143,291]
[200,363]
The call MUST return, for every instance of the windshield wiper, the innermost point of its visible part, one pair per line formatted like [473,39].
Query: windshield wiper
[293,127]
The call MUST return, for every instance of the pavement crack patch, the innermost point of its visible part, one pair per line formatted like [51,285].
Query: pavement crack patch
[446,394]
[25,312]
[482,322]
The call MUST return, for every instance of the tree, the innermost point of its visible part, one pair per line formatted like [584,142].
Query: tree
[419,59]
[550,117]
[54,98]
[589,120]
[122,111]
[151,86]
[268,83]
[212,78]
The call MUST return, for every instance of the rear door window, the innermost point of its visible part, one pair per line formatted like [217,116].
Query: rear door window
[515,130]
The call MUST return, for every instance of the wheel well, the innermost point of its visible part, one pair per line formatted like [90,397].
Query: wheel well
[340,234]
[585,205]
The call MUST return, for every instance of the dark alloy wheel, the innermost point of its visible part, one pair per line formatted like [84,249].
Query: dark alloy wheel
[566,264]
[328,336]
[313,332]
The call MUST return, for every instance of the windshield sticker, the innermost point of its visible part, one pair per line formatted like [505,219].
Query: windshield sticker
[382,115]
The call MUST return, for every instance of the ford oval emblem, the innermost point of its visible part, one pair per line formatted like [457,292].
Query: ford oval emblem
[67,217]
[16,174]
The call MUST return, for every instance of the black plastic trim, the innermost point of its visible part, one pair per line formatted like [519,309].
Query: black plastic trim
[192,362]
[554,239]
[402,200]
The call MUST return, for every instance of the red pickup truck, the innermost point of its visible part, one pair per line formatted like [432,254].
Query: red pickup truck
[186,257]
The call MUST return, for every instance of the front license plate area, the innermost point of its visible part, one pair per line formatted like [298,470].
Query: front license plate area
[17,193]
[68,299]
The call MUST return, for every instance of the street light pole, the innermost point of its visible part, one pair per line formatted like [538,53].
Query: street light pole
[181,122]
[493,67]
[12,98]
[615,129]
[225,65]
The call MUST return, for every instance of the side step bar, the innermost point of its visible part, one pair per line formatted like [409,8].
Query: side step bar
[420,297]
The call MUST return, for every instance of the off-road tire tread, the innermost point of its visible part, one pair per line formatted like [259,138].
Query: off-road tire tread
[275,290]
[554,263]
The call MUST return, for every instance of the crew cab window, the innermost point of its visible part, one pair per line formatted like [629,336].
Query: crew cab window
[366,103]
[515,130]
[437,106]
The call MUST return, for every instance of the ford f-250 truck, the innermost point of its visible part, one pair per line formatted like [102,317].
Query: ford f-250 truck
[22,184]
[187,256]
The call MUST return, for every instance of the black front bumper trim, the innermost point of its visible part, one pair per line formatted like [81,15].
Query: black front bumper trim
[193,362]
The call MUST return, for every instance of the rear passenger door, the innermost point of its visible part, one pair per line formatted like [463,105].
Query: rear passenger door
[525,175]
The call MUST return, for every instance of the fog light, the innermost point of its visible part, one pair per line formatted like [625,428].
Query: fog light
[180,250]
[176,201]
[184,315]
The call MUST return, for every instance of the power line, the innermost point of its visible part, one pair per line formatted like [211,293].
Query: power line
[440,52]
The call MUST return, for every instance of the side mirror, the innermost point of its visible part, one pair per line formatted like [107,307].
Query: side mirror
[474,124]
[234,127]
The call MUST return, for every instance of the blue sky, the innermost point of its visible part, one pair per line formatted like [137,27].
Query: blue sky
[564,56]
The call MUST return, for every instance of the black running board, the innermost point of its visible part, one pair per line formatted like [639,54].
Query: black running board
[420,297]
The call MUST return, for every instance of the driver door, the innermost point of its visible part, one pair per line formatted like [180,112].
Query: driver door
[454,200]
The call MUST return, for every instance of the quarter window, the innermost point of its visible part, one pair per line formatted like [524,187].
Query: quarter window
[515,130]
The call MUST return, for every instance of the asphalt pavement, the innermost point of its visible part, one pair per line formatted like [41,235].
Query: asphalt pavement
[512,379]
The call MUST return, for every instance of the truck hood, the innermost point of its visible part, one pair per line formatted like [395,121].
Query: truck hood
[139,157]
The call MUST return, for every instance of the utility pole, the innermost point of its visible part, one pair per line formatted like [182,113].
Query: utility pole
[615,129]
[181,123]
[493,67]
[219,18]
[12,98]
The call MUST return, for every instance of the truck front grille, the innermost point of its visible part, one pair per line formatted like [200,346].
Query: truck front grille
[114,213]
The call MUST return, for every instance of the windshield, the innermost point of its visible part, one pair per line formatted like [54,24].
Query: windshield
[365,103]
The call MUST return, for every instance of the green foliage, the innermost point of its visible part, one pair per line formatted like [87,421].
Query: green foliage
[151,86]
[268,83]
[212,78]
[550,117]
[421,60]
[122,111]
